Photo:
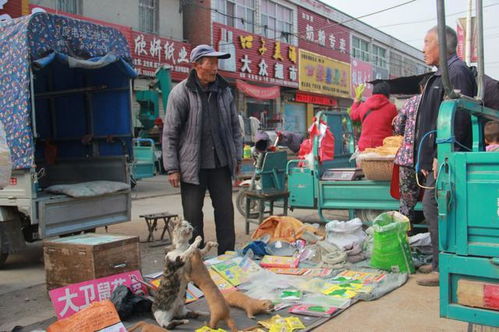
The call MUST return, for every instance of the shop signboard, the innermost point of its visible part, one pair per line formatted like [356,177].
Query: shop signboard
[362,72]
[323,75]
[323,36]
[149,52]
[256,58]
[380,73]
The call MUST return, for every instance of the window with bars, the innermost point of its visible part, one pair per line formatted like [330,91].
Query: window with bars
[276,21]
[379,56]
[236,13]
[69,6]
[149,16]
[360,49]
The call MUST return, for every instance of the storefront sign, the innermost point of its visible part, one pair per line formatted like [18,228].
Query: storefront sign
[323,75]
[256,58]
[149,52]
[362,72]
[311,99]
[323,36]
[258,92]
[72,298]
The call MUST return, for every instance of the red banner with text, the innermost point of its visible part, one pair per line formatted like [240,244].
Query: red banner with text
[258,92]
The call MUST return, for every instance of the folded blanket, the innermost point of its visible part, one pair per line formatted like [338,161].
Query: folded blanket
[88,189]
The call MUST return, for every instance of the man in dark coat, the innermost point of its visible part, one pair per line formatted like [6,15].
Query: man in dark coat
[461,79]
[202,144]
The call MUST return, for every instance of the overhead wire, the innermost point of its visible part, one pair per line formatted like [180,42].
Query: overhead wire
[429,19]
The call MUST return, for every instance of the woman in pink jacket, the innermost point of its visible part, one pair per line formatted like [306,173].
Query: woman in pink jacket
[375,115]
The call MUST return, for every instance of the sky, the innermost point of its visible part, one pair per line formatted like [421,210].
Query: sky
[410,22]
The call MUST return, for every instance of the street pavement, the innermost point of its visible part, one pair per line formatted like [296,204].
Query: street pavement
[24,300]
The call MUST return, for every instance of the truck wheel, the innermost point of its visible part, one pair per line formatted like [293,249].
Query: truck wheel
[3,256]
[241,204]
[133,182]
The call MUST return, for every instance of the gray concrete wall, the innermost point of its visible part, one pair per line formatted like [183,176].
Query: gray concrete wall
[124,12]
[170,19]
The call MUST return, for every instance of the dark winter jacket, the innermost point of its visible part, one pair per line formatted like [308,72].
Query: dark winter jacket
[378,124]
[461,79]
[182,130]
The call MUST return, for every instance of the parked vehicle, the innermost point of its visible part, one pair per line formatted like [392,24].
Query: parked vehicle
[467,193]
[66,107]
[152,126]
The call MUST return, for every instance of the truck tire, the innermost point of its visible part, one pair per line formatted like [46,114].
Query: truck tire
[3,255]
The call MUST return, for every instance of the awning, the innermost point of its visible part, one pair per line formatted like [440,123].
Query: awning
[406,85]
[258,92]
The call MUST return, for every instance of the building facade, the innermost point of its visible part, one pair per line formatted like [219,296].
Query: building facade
[312,52]
[290,58]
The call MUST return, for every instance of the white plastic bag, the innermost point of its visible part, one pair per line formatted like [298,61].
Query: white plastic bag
[345,233]
[5,163]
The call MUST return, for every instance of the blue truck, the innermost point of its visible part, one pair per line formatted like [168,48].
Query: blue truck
[65,103]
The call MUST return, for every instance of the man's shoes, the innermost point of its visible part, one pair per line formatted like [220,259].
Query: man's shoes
[431,280]
[427,268]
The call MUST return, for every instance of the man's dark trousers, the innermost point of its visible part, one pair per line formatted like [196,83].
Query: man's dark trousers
[219,184]
[430,210]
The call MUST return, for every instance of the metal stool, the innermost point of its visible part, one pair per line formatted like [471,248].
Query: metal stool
[152,223]
[263,197]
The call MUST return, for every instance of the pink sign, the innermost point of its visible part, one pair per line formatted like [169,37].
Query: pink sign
[72,298]
[361,73]
[461,39]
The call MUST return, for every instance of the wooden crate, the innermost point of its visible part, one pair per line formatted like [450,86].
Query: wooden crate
[85,257]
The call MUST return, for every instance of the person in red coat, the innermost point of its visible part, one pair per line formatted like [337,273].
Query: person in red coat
[375,115]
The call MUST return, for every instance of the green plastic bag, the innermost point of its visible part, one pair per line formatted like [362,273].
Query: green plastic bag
[391,251]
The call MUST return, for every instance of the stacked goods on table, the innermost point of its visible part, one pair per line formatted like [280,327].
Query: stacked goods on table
[377,163]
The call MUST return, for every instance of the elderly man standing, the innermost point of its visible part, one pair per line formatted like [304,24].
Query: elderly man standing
[202,144]
[461,79]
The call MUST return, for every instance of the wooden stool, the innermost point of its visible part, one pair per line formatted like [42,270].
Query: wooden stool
[263,197]
[152,223]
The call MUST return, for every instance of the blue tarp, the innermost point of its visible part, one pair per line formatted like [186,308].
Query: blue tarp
[66,47]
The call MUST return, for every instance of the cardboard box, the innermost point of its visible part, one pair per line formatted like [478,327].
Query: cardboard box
[89,256]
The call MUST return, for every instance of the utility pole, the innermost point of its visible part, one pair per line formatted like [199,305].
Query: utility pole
[467,50]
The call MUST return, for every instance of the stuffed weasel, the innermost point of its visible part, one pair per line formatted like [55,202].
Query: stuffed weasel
[250,305]
[219,310]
